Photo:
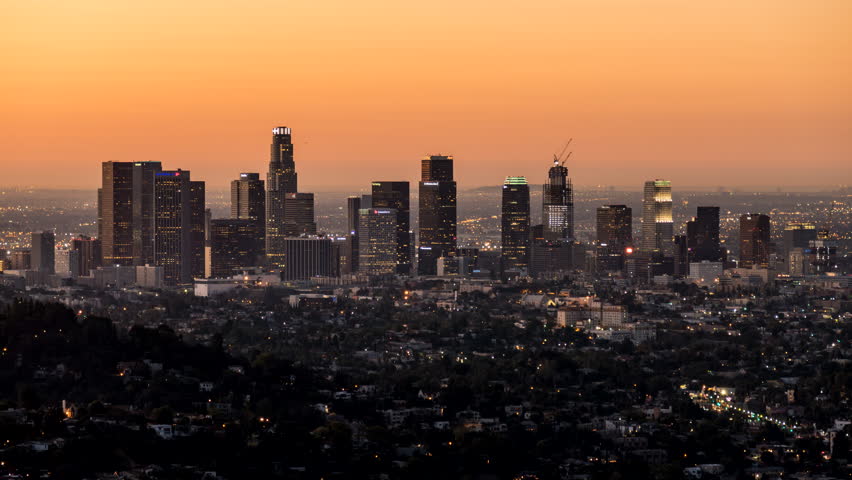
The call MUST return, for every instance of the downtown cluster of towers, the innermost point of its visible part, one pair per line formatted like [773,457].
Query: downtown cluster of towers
[151,216]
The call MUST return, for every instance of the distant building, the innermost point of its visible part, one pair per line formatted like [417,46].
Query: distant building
[614,235]
[796,235]
[755,241]
[88,253]
[43,252]
[349,251]
[437,226]
[299,214]
[551,258]
[657,227]
[233,245]
[702,236]
[150,276]
[377,241]
[515,224]
[558,204]
[20,259]
[280,180]
[248,202]
[706,273]
[178,226]
[67,263]
[143,211]
[306,257]
[821,256]
[115,213]
[395,195]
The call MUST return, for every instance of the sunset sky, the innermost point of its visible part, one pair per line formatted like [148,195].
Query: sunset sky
[705,93]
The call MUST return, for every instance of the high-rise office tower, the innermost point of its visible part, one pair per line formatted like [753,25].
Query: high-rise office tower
[115,213]
[299,214]
[615,227]
[248,202]
[395,195]
[558,204]
[377,238]
[280,181]
[88,253]
[657,228]
[247,197]
[702,236]
[349,248]
[43,252]
[515,223]
[797,235]
[754,240]
[178,226]
[143,211]
[437,224]
[232,244]
[198,226]
[307,257]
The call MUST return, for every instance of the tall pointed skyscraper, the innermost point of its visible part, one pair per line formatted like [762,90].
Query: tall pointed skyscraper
[280,181]
[558,203]
[437,213]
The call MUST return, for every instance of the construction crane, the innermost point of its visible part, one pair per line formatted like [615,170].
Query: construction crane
[561,158]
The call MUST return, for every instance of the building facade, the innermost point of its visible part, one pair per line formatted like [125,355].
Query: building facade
[657,226]
[395,196]
[755,238]
[437,226]
[558,204]
[281,179]
[515,224]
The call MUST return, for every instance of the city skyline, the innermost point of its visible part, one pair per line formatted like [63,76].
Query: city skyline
[754,90]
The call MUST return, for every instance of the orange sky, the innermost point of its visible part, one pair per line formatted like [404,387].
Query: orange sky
[728,92]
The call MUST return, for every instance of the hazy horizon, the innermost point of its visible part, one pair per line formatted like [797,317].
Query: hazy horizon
[699,93]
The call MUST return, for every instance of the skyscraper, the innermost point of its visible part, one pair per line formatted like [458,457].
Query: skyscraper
[232,244]
[515,224]
[43,252]
[615,227]
[702,236]
[349,249]
[558,204]
[178,226]
[115,213]
[280,181]
[395,195]
[657,231]
[143,211]
[437,224]
[797,235]
[198,226]
[377,236]
[88,253]
[754,240]
[248,202]
[299,214]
